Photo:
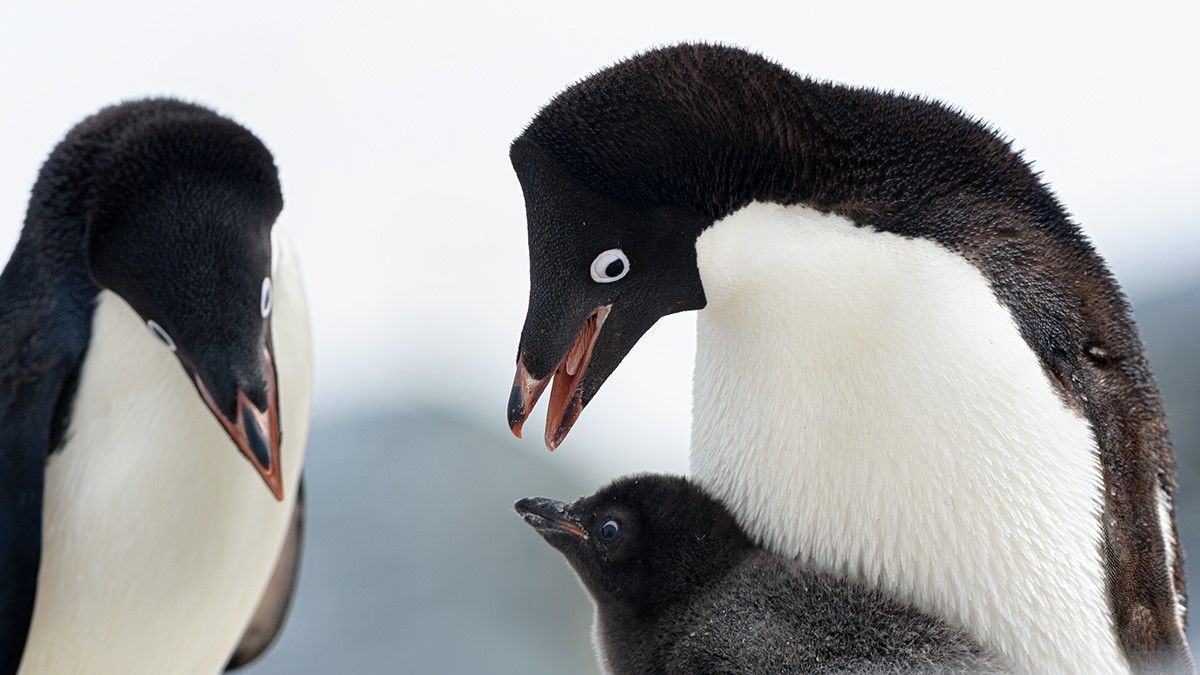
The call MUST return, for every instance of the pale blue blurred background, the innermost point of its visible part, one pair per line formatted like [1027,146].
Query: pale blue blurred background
[391,121]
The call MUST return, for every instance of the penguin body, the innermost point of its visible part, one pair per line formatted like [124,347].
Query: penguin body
[912,368]
[680,588]
[912,346]
[149,246]
[150,557]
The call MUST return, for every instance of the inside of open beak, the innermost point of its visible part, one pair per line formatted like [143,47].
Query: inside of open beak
[566,396]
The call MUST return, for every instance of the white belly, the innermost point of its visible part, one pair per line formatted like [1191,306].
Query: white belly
[159,536]
[864,401]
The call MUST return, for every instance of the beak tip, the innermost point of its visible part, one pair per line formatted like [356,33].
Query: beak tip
[274,481]
[557,433]
[516,418]
[521,398]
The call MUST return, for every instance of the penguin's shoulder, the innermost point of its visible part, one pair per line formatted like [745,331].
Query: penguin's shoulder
[40,317]
[43,339]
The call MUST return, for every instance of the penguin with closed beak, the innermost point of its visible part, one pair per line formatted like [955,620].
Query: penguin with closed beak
[912,368]
[679,588]
[155,384]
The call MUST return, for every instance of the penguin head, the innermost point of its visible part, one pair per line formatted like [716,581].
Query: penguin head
[602,273]
[621,174]
[643,542]
[180,228]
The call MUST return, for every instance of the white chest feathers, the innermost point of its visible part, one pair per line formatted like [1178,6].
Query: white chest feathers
[159,536]
[862,400]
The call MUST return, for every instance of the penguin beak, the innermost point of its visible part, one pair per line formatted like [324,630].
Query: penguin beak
[548,517]
[566,397]
[255,432]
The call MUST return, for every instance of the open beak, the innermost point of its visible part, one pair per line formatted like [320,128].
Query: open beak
[255,432]
[549,517]
[566,397]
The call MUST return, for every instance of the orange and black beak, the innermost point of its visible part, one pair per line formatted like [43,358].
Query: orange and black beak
[580,324]
[567,396]
[254,430]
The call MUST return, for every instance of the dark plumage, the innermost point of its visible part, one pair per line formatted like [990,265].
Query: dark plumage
[169,206]
[679,588]
[650,152]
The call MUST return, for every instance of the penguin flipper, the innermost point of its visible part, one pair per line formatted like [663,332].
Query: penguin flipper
[30,426]
[273,608]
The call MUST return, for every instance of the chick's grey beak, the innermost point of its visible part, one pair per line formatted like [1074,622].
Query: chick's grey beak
[548,516]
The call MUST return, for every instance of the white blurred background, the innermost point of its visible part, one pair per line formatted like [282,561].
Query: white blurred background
[390,123]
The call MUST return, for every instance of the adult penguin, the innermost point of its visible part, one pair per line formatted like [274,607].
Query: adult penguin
[912,368]
[155,387]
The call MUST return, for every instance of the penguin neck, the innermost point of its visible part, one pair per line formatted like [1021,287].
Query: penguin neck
[55,264]
[52,247]
[620,631]
[864,402]
[47,276]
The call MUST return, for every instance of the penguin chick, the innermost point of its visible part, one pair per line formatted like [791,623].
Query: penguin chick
[679,587]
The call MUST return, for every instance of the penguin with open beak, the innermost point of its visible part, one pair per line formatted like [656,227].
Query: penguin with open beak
[601,274]
[911,366]
[156,381]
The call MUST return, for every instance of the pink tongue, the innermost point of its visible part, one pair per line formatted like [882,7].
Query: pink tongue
[565,406]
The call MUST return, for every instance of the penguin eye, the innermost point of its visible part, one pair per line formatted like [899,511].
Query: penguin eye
[611,265]
[265,298]
[158,332]
[609,530]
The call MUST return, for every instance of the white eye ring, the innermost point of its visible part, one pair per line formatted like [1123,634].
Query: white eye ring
[158,332]
[265,298]
[604,261]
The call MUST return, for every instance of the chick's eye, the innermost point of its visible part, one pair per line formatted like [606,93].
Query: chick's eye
[265,298]
[611,265]
[158,332]
[609,530]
